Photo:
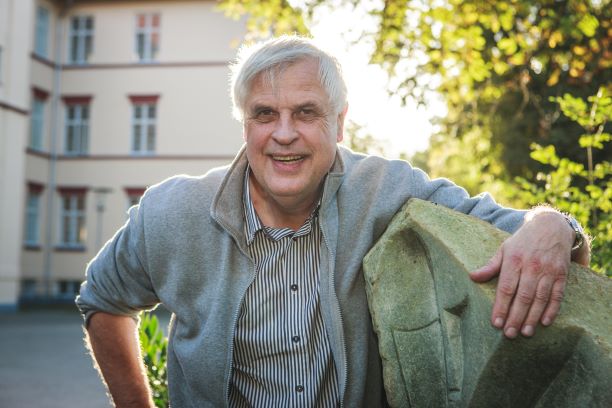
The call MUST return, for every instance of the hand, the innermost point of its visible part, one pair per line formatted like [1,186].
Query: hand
[532,265]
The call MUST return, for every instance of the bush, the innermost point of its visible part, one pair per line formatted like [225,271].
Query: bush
[583,191]
[154,345]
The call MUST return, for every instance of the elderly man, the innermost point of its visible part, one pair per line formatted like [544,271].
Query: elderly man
[260,262]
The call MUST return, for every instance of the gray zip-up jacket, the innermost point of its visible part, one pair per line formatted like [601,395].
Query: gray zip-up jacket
[184,246]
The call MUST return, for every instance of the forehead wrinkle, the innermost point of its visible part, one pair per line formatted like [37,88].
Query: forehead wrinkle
[267,91]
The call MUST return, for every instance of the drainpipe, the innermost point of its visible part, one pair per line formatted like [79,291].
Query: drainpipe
[55,131]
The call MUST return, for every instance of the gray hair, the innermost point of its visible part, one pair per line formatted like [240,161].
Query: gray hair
[274,54]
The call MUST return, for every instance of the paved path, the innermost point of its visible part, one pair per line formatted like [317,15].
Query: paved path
[43,362]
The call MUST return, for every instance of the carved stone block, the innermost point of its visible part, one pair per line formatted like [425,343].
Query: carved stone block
[433,323]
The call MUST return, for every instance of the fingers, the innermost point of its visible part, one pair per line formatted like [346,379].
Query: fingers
[556,297]
[517,307]
[532,266]
[538,295]
[490,270]
[540,300]
[506,288]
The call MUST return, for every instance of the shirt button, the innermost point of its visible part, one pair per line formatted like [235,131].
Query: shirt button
[294,287]
[295,339]
[299,388]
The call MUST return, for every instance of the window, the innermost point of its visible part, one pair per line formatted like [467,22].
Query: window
[37,119]
[68,288]
[32,222]
[41,40]
[36,126]
[29,288]
[72,217]
[77,125]
[144,115]
[81,39]
[147,36]
[133,195]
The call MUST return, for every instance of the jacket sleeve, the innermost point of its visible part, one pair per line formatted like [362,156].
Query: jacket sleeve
[116,279]
[444,192]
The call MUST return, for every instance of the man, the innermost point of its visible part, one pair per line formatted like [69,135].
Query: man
[260,262]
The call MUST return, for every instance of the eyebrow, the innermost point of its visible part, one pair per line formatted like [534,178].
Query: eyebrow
[259,107]
[263,106]
[307,105]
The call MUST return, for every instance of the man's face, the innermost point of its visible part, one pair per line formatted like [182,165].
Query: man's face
[291,135]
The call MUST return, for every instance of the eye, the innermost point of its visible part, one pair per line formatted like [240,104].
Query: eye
[307,113]
[264,115]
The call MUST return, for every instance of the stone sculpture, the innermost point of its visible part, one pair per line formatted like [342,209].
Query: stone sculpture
[436,343]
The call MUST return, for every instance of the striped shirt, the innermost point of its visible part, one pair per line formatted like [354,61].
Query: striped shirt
[282,355]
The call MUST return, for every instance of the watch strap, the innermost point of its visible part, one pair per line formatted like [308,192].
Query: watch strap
[579,240]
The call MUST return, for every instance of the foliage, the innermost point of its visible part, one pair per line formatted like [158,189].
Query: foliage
[501,67]
[271,17]
[495,63]
[154,345]
[358,140]
[586,193]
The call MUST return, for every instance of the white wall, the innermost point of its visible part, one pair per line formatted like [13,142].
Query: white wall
[13,128]
[195,129]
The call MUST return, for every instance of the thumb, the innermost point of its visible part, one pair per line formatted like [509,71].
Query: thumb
[490,270]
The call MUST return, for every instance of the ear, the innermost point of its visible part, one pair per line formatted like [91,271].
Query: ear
[340,130]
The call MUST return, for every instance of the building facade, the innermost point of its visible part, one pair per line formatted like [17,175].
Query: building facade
[98,101]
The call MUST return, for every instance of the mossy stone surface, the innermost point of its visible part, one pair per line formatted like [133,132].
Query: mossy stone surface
[433,323]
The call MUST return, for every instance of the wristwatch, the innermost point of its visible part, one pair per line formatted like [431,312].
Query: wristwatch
[579,241]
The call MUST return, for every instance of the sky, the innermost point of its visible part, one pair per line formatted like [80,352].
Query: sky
[400,128]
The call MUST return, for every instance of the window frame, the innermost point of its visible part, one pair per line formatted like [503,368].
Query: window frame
[37,119]
[37,124]
[41,33]
[133,195]
[141,142]
[74,216]
[67,288]
[150,33]
[81,38]
[76,130]
[77,127]
[31,234]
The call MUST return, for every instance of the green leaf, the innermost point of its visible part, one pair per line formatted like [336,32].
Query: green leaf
[588,25]
[507,45]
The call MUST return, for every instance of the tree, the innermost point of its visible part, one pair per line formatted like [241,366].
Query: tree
[358,140]
[495,63]
[589,199]
[501,68]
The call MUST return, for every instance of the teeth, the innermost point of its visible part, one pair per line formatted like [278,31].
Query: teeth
[286,158]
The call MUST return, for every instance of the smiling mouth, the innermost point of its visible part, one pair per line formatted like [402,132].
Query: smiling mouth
[287,159]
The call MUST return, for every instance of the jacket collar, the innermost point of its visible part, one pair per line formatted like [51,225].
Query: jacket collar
[227,208]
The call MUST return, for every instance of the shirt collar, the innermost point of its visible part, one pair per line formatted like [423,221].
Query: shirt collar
[253,224]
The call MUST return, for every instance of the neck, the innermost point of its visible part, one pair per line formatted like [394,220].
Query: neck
[282,213]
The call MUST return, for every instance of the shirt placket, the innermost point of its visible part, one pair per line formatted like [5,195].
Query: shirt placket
[295,329]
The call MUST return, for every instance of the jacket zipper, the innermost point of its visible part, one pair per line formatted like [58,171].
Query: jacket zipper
[230,357]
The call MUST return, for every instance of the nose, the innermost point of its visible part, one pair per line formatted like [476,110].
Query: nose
[285,131]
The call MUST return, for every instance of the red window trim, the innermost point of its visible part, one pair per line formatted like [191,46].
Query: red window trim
[143,99]
[40,94]
[77,99]
[135,191]
[72,190]
[35,188]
